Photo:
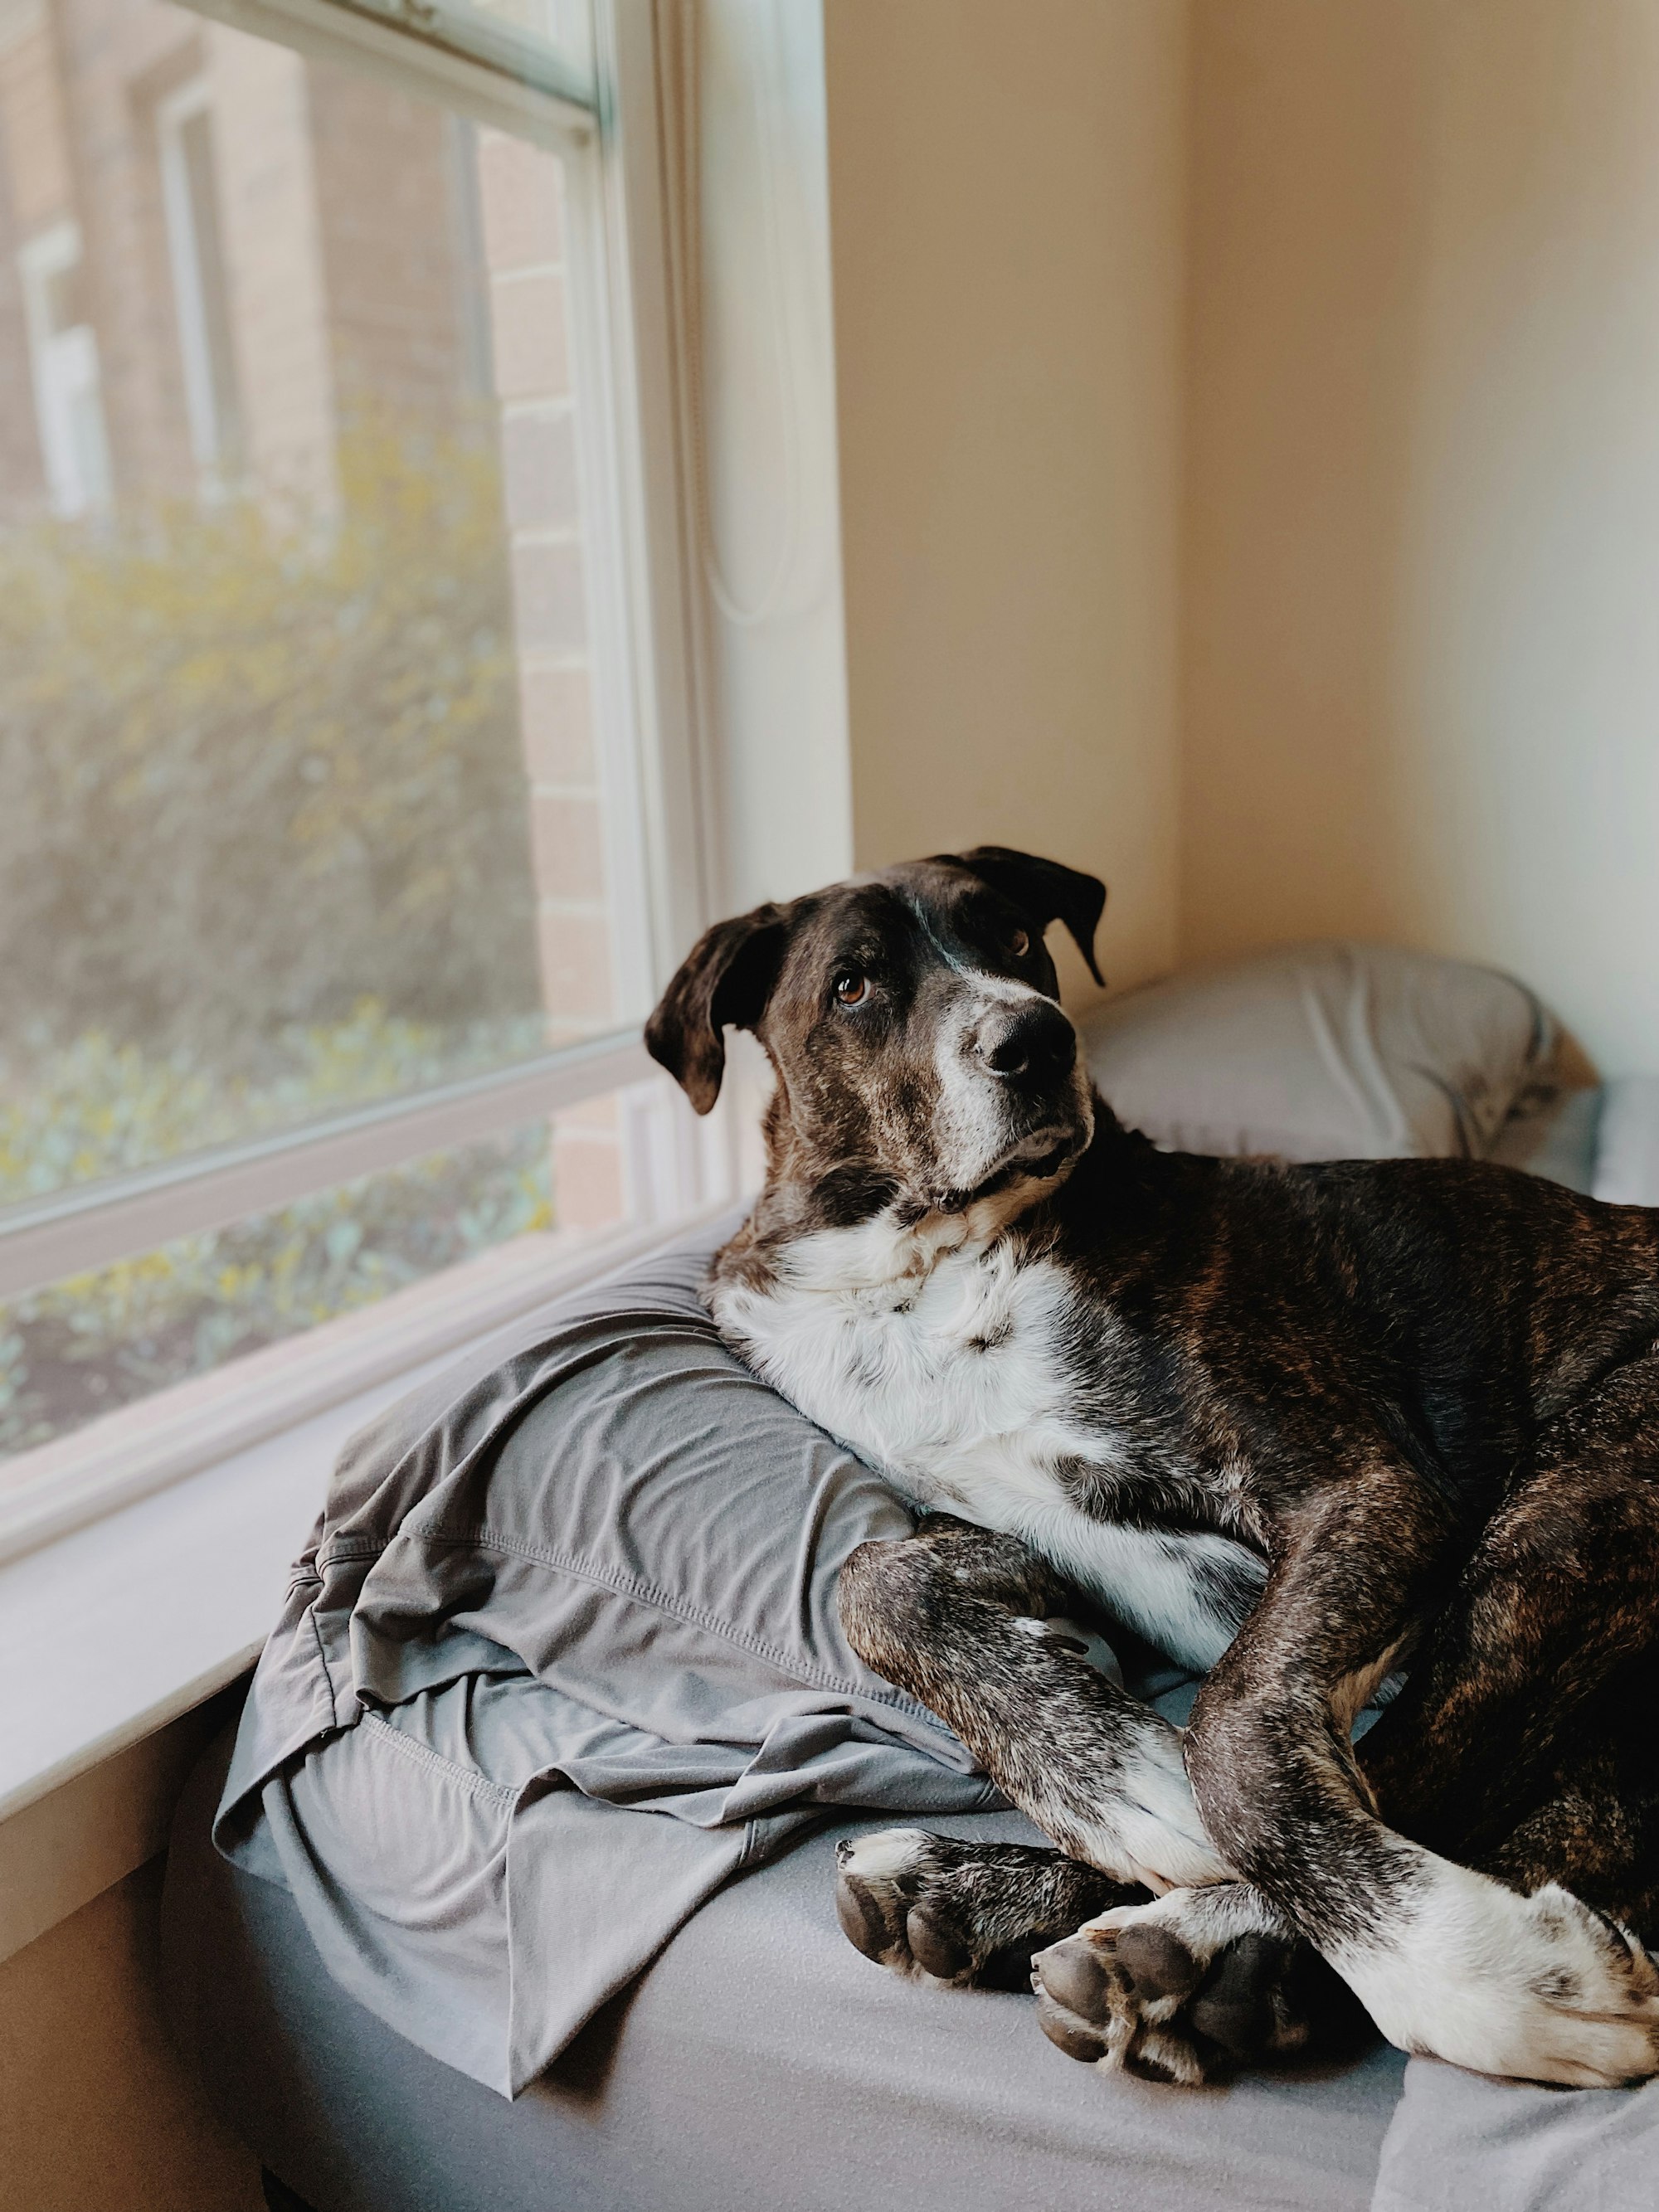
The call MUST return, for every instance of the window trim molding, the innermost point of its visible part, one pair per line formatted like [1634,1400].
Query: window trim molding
[520,88]
[89,1225]
[654,736]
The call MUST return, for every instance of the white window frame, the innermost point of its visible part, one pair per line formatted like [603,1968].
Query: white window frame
[208,435]
[661,863]
[64,365]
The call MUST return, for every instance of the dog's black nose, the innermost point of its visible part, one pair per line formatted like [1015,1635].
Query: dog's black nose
[1032,1041]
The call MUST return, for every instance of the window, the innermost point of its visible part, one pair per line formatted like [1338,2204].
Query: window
[64,365]
[189,198]
[347,827]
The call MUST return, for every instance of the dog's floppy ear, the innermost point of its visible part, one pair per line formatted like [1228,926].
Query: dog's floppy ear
[1047,892]
[727,977]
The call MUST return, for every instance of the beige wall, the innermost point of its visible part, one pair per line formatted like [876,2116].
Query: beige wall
[1006,226]
[1421,619]
[96,2113]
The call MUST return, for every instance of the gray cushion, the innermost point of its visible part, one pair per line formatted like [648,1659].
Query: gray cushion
[1325,1051]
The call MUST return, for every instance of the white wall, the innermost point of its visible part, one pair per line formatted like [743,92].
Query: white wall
[750,101]
[1006,225]
[1421,614]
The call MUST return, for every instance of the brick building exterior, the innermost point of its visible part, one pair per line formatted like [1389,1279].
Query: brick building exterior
[215,252]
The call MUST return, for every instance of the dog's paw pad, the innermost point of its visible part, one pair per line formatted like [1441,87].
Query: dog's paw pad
[1240,2005]
[937,1945]
[936,1909]
[1078,2038]
[1156,1961]
[874,1885]
[1162,1992]
[1077,1976]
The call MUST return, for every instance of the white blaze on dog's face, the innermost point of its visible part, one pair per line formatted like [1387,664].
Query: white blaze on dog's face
[912,1019]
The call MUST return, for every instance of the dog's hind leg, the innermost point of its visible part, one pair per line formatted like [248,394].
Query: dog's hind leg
[1446,1961]
[1522,1744]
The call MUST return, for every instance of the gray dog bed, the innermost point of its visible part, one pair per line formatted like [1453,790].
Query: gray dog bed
[523,1892]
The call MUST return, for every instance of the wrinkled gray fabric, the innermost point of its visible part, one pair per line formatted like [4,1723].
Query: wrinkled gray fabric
[1627,1153]
[594,1568]
[1326,1051]
[760,2065]
[1461,2140]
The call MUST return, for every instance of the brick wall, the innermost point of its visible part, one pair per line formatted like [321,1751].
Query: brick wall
[34,190]
[521,197]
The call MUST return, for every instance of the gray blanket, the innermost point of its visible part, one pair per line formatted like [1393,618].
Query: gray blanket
[592,1569]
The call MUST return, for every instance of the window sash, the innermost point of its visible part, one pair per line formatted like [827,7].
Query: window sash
[90,1225]
[482,70]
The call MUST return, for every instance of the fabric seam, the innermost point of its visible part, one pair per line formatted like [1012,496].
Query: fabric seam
[504,1795]
[630,1586]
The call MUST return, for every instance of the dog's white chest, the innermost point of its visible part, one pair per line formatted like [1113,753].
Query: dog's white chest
[955,1381]
[931,1376]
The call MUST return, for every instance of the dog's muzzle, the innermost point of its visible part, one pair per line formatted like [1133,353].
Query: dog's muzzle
[1031,1045]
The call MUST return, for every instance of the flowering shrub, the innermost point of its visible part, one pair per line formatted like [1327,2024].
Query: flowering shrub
[256,770]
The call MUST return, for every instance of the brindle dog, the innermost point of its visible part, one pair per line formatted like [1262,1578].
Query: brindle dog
[1299,1424]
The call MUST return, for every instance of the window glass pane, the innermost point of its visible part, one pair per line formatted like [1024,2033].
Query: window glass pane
[300,803]
[303,802]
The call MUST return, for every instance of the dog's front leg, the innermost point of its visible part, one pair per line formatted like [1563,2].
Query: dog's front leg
[940,1613]
[1446,1960]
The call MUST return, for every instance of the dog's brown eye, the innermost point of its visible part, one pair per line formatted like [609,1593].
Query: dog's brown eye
[852,986]
[1019,944]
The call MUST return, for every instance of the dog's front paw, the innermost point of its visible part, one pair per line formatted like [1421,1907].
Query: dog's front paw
[1540,1988]
[1192,1985]
[963,1915]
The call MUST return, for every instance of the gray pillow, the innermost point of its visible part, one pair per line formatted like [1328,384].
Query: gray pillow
[1331,1050]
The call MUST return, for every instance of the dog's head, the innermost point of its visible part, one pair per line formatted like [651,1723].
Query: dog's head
[913,1023]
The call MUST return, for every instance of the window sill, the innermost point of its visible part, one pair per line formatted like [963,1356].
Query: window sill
[114,1630]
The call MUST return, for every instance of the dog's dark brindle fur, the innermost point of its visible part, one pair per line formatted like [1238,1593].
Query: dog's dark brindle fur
[1306,1423]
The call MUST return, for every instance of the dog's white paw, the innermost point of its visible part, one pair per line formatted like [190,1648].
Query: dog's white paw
[1540,1988]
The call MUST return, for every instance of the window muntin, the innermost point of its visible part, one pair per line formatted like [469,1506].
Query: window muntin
[320,791]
